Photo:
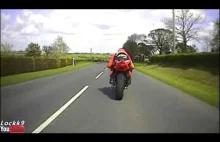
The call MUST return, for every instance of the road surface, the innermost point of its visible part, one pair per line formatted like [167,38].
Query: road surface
[57,104]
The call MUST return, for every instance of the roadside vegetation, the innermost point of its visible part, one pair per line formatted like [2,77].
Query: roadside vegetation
[193,72]
[35,61]
[200,81]
[18,78]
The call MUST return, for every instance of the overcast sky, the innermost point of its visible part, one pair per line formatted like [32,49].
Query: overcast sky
[102,30]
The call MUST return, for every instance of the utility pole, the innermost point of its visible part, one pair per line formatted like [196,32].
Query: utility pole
[173,31]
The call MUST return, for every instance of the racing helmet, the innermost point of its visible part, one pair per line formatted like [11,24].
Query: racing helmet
[121,50]
[121,56]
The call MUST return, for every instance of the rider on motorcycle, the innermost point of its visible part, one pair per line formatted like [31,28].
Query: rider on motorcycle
[121,53]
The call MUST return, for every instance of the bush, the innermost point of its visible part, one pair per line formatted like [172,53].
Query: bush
[16,65]
[194,59]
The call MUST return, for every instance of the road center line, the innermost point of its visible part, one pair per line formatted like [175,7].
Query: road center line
[57,113]
[99,75]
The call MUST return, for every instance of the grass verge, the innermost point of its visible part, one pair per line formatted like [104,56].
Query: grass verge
[198,83]
[14,79]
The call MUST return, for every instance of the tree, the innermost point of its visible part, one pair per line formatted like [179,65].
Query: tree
[146,45]
[131,48]
[162,38]
[215,38]
[47,50]
[180,48]
[59,46]
[134,37]
[192,49]
[145,49]
[215,49]
[138,44]
[33,50]
[207,43]
[186,26]
[6,47]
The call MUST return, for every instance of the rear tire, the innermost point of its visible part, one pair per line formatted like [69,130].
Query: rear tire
[120,84]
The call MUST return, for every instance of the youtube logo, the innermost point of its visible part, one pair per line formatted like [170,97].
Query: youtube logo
[16,129]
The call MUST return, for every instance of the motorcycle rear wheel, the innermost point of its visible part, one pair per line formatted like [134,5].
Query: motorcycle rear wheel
[120,85]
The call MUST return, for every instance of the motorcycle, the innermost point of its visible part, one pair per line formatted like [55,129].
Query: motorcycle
[120,80]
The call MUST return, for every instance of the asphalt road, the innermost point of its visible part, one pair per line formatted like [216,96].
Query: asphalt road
[148,106]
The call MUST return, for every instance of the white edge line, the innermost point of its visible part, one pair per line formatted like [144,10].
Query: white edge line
[99,75]
[58,112]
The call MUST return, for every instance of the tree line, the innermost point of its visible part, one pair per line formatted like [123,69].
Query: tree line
[57,48]
[187,28]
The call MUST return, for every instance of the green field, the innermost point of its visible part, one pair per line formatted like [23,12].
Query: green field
[13,79]
[202,84]
[89,57]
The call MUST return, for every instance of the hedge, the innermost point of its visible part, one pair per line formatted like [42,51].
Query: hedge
[16,65]
[53,63]
[62,62]
[69,61]
[195,59]
[41,64]
[11,65]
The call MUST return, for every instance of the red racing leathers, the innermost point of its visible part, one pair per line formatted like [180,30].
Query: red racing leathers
[111,64]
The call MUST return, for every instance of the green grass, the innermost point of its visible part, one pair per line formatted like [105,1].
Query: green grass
[199,83]
[13,79]
[88,56]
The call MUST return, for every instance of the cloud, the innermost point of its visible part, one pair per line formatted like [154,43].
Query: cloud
[103,26]
[4,19]
[19,20]
[112,34]
[101,30]
[208,30]
[31,29]
[27,13]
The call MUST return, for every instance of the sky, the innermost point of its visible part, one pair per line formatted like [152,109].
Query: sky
[102,30]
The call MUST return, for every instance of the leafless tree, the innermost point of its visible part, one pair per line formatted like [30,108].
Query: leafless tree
[6,47]
[186,25]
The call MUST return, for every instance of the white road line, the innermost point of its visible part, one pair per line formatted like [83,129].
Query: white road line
[99,75]
[50,119]
[106,69]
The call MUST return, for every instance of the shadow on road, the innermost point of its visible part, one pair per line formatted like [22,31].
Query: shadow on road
[108,91]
